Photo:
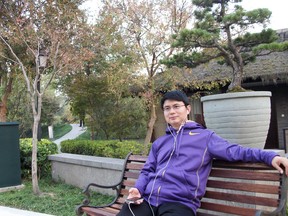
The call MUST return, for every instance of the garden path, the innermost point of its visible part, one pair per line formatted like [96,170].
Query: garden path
[75,132]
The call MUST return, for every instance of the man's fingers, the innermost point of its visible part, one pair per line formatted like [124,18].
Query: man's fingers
[280,169]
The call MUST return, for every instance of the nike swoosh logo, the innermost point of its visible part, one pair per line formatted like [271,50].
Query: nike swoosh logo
[192,134]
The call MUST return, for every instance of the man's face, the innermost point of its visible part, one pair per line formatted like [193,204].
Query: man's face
[175,112]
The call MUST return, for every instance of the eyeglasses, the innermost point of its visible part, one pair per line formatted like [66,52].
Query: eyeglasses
[174,107]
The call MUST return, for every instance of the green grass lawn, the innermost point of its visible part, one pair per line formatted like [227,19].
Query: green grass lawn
[58,131]
[57,199]
[84,136]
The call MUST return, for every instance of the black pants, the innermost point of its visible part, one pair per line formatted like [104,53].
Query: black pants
[165,209]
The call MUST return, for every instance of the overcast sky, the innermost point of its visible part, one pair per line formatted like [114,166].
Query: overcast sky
[279,17]
[278,20]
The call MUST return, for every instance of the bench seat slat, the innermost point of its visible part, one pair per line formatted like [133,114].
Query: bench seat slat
[97,211]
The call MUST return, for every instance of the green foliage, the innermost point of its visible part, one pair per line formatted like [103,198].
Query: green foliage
[102,148]
[20,108]
[125,118]
[56,199]
[50,107]
[51,33]
[109,107]
[248,40]
[220,34]
[1,90]
[44,148]
[84,136]
[276,47]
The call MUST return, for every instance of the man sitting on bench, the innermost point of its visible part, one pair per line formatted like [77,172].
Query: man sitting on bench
[174,177]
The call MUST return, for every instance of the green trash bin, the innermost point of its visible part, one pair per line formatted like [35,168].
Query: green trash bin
[10,167]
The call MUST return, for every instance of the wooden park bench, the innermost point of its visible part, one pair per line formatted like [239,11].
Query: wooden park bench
[233,189]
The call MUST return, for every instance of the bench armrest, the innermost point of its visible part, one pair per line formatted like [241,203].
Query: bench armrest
[87,190]
[116,187]
[87,193]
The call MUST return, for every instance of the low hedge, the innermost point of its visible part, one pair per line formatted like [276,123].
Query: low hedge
[102,148]
[44,148]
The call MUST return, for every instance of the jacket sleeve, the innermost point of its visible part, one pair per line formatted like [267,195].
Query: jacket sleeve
[221,149]
[149,167]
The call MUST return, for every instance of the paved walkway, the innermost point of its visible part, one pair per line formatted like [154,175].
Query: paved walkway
[75,132]
[6,211]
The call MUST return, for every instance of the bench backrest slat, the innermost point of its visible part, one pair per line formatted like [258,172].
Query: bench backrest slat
[240,165]
[227,209]
[244,174]
[131,175]
[129,183]
[139,158]
[242,198]
[134,166]
[243,186]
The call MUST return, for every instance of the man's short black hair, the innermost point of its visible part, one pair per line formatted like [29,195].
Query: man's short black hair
[175,95]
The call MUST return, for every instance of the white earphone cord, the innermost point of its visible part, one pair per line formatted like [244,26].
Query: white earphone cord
[130,209]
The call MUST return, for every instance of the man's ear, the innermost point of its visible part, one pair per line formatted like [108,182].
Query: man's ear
[188,109]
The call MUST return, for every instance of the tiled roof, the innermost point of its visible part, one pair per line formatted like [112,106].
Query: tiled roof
[274,65]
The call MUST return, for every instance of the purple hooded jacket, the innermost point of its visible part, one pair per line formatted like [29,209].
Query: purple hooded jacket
[179,164]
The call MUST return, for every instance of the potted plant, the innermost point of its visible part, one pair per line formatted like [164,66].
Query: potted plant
[221,35]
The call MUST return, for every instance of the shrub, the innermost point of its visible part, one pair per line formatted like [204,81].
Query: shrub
[102,148]
[44,148]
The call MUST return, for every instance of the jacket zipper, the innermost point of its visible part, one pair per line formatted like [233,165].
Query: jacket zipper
[163,173]
[159,189]
[158,193]
[197,174]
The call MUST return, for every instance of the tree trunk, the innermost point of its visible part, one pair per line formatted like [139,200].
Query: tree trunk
[151,124]
[35,184]
[36,106]
[236,82]
[3,111]
[4,100]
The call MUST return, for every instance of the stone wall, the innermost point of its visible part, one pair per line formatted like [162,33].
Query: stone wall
[80,170]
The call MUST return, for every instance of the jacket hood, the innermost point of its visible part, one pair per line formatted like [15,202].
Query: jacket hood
[188,125]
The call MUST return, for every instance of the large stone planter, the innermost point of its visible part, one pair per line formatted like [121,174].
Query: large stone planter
[241,117]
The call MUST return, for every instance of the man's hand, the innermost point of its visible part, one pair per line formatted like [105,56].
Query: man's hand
[277,161]
[135,194]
